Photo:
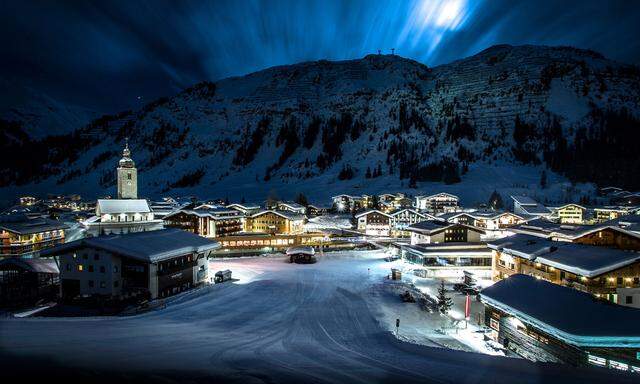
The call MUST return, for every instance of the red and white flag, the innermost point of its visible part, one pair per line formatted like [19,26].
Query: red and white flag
[467,307]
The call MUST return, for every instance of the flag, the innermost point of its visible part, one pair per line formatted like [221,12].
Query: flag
[467,307]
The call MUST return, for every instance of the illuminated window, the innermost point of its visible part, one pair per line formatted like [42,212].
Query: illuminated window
[80,267]
[595,360]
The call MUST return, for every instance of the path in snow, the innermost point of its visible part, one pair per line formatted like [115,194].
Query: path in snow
[278,323]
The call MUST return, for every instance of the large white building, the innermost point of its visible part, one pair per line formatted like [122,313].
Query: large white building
[438,203]
[127,213]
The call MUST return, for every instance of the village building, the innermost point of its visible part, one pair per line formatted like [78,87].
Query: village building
[374,223]
[597,270]
[525,205]
[570,214]
[402,218]
[348,203]
[392,202]
[127,213]
[141,265]
[275,222]
[291,207]
[27,200]
[207,221]
[545,322]
[247,242]
[449,259]
[25,281]
[602,214]
[247,209]
[317,210]
[495,224]
[439,203]
[24,236]
[439,231]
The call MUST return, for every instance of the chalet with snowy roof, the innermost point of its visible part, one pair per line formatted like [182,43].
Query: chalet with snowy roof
[144,265]
[630,199]
[275,222]
[606,213]
[291,207]
[438,203]
[392,202]
[245,208]
[207,221]
[495,224]
[525,205]
[438,231]
[597,270]
[404,217]
[570,214]
[374,223]
[22,235]
[317,210]
[546,322]
[349,203]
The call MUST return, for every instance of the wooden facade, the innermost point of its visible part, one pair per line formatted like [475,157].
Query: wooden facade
[274,223]
[610,237]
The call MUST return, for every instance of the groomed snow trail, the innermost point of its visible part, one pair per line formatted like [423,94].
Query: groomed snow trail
[278,323]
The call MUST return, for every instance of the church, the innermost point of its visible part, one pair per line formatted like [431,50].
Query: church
[127,213]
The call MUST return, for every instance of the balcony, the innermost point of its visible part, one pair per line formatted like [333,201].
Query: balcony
[529,270]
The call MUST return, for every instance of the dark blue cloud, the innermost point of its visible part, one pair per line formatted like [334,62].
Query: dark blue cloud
[106,53]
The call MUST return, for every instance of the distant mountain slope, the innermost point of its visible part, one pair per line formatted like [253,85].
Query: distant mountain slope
[39,114]
[493,120]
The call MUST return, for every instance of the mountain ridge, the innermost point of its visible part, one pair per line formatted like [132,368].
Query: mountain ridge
[326,123]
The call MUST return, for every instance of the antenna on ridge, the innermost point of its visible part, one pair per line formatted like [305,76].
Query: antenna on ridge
[378,51]
[393,50]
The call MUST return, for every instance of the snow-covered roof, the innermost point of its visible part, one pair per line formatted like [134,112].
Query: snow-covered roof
[573,316]
[579,259]
[431,227]
[36,265]
[286,214]
[427,197]
[365,213]
[587,260]
[116,206]
[214,213]
[291,205]
[524,200]
[24,225]
[571,205]
[521,245]
[150,246]
[400,210]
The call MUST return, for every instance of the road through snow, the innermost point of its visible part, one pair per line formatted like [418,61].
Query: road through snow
[278,323]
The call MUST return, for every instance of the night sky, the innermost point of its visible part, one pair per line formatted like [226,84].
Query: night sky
[105,54]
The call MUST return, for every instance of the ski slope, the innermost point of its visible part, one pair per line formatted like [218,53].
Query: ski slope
[277,323]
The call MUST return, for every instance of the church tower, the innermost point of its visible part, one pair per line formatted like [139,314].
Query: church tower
[127,176]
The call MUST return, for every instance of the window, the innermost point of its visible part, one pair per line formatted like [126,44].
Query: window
[68,267]
[96,257]
[115,269]
[91,284]
[80,267]
[91,268]
[628,300]
[595,360]
[116,283]
[103,284]
[619,281]
[128,176]
[102,269]
[85,256]
[636,280]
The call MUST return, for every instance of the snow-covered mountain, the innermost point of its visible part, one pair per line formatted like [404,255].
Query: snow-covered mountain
[39,114]
[491,121]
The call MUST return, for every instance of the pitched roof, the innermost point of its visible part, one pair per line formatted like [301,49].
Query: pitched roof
[569,314]
[524,200]
[150,246]
[372,211]
[286,214]
[24,225]
[431,227]
[36,265]
[437,194]
[579,259]
[116,206]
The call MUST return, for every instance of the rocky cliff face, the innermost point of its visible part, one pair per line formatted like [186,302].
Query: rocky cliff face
[377,122]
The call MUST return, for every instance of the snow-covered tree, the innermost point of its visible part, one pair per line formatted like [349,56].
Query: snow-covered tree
[495,201]
[444,302]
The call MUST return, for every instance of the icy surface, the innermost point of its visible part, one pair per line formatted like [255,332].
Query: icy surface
[325,322]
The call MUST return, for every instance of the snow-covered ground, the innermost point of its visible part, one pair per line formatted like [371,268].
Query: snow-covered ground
[326,322]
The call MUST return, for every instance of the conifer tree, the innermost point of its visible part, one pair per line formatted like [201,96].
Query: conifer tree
[444,302]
